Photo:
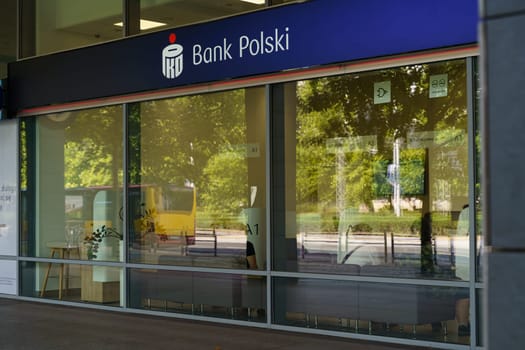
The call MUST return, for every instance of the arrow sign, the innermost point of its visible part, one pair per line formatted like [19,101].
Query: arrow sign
[382,92]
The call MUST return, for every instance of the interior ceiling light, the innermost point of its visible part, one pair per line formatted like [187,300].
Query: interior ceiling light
[144,24]
[256,2]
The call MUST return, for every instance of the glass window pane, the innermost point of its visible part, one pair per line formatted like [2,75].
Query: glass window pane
[217,295]
[162,14]
[72,185]
[8,36]
[70,282]
[65,24]
[376,173]
[395,310]
[197,180]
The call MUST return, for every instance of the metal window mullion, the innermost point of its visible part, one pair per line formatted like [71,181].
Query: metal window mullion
[269,192]
[18,273]
[125,168]
[375,279]
[72,262]
[373,338]
[131,17]
[471,146]
[26,28]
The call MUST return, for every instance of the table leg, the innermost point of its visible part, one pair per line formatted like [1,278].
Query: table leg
[43,291]
[61,275]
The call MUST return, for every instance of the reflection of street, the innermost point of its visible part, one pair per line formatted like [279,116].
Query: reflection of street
[368,249]
[224,242]
[207,243]
[449,253]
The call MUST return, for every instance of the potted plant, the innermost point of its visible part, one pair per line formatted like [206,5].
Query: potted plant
[151,229]
[94,239]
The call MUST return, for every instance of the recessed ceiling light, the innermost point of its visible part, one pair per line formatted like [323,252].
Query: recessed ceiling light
[256,2]
[144,24]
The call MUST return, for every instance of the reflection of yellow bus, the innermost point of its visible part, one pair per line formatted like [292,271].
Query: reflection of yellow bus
[175,208]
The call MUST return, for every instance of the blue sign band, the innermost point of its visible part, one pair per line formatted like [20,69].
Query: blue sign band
[318,32]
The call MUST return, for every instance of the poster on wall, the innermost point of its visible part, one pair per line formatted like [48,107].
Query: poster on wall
[8,282]
[8,188]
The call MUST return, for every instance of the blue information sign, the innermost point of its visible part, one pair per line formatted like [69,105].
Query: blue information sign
[313,33]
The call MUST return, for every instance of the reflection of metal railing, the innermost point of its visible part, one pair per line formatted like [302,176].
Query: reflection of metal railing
[203,234]
[390,248]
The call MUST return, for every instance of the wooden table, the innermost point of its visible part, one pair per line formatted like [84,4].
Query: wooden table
[63,250]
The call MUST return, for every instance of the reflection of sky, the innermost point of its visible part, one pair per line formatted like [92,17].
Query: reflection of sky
[74,203]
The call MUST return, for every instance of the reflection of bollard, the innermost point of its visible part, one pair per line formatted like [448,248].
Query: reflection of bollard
[452,255]
[392,246]
[302,244]
[435,250]
[214,242]
[386,247]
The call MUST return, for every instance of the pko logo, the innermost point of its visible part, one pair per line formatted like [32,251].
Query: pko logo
[172,63]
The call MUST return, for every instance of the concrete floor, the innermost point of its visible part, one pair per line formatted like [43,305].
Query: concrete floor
[38,326]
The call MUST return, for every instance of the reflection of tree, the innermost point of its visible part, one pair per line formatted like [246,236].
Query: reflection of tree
[226,176]
[187,138]
[180,135]
[93,148]
[343,107]
[192,139]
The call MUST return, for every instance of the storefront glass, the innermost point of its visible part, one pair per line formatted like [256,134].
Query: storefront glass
[72,282]
[65,24]
[197,180]
[72,178]
[7,35]
[377,174]
[162,14]
[385,309]
[230,296]
[71,201]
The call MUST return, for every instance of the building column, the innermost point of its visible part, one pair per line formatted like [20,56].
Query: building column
[503,177]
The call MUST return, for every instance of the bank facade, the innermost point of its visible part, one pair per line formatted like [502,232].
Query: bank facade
[308,166]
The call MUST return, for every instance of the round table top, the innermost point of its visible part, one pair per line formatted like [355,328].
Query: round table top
[61,245]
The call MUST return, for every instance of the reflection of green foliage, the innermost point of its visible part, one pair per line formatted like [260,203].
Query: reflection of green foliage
[93,148]
[226,176]
[24,134]
[343,107]
[412,171]
[377,223]
[178,136]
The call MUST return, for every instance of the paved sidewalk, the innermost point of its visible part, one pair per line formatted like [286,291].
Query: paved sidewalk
[37,326]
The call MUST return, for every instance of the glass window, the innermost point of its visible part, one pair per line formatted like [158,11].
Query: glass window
[216,295]
[162,14]
[72,185]
[197,180]
[395,310]
[72,282]
[376,174]
[8,45]
[65,24]
[8,188]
